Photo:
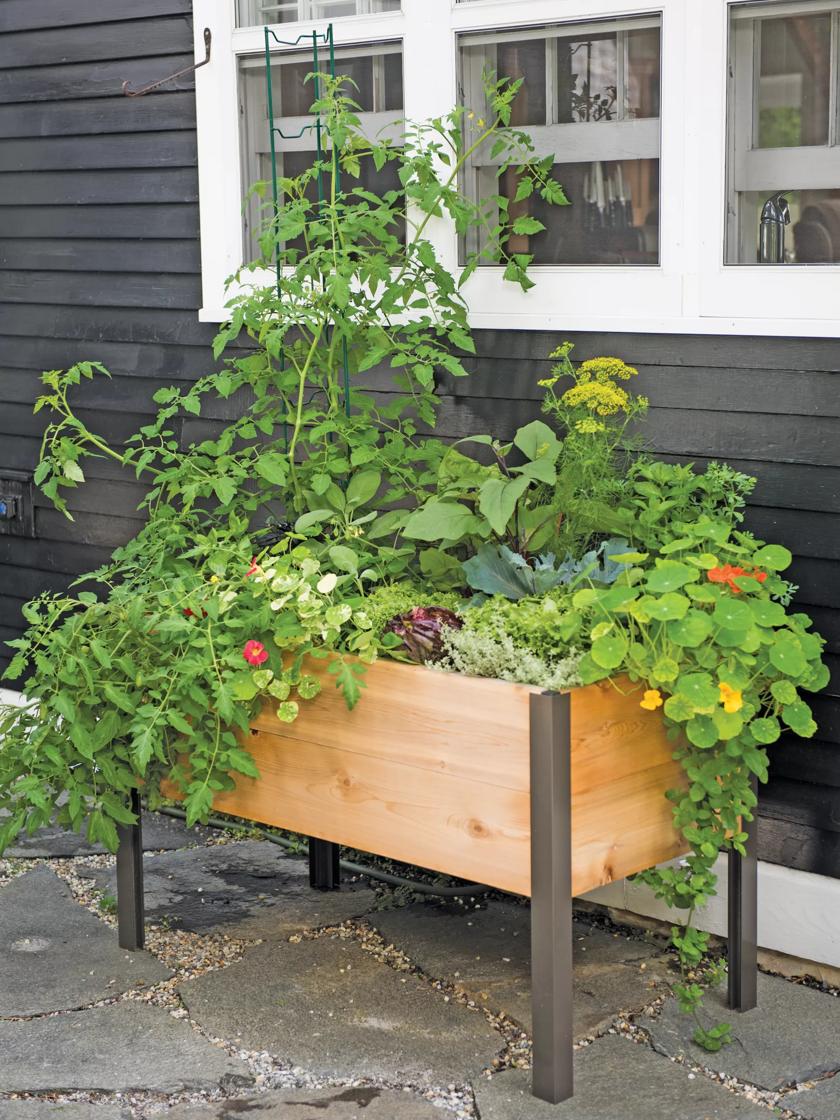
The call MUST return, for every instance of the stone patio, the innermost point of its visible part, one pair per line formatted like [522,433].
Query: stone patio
[256,995]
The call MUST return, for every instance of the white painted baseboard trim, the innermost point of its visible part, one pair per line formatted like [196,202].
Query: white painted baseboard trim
[798,913]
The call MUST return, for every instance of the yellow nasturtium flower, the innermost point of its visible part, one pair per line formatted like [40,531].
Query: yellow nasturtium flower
[652,700]
[730,697]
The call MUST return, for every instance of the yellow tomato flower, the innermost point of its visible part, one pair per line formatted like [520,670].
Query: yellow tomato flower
[214,579]
[652,700]
[730,697]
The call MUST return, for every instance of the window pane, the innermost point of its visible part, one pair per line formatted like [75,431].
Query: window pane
[590,96]
[251,13]
[378,89]
[794,80]
[783,172]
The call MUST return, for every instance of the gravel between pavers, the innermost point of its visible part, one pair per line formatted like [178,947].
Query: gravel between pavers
[193,955]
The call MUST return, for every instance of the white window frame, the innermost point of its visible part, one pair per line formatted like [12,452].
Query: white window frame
[690,291]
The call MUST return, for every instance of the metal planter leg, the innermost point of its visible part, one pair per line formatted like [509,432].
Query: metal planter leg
[130,910]
[743,923]
[324,870]
[551,896]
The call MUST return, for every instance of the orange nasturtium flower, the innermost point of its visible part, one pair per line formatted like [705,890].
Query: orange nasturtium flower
[730,697]
[652,700]
[255,652]
[728,574]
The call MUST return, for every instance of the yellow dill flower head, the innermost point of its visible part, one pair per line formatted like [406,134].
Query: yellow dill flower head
[590,426]
[602,398]
[548,382]
[605,369]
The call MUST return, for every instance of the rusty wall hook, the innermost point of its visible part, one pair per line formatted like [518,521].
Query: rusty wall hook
[187,70]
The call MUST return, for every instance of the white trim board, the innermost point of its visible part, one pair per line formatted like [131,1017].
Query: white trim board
[691,291]
[7,696]
[798,913]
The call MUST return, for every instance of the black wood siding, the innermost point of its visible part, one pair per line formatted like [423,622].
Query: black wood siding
[99,259]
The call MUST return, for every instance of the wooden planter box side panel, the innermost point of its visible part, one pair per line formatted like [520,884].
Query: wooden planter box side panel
[434,769]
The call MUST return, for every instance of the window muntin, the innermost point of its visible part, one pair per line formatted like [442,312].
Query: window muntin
[377,73]
[783,129]
[590,96]
[253,13]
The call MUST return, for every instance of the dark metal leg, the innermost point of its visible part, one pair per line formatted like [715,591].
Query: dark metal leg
[130,910]
[324,871]
[551,896]
[743,923]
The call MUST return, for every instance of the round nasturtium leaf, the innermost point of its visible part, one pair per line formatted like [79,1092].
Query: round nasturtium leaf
[665,669]
[728,724]
[701,592]
[609,651]
[584,598]
[799,719]
[601,630]
[666,607]
[701,731]
[287,711]
[786,655]
[748,641]
[732,614]
[765,730]
[308,687]
[817,678]
[784,691]
[678,708]
[669,575]
[690,631]
[699,689]
[774,556]
[767,613]
[617,597]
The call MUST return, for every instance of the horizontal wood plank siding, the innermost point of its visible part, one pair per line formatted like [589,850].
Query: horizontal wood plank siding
[99,259]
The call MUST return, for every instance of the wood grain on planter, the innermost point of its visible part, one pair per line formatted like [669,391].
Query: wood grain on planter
[433,769]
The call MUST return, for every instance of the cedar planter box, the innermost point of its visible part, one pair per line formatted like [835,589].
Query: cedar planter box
[542,794]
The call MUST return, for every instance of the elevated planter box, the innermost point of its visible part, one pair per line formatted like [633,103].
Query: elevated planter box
[542,794]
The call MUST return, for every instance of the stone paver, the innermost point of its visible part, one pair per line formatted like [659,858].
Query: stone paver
[160,833]
[329,1006]
[55,955]
[128,1045]
[325,1104]
[616,1079]
[251,888]
[820,1103]
[487,955]
[34,1109]
[793,1035]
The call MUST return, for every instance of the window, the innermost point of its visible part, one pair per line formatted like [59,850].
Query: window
[784,140]
[375,82]
[590,97]
[251,13]
[673,126]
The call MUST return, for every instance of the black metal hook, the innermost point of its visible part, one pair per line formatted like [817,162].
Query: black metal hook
[187,70]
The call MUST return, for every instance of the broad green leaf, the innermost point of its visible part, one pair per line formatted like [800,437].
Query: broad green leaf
[799,718]
[312,518]
[538,441]
[497,500]
[669,606]
[273,468]
[767,613]
[225,489]
[702,732]
[440,521]
[786,655]
[669,575]
[773,556]
[609,651]
[728,724]
[362,487]
[765,730]
[344,558]
[732,614]
[784,692]
[690,631]
[699,689]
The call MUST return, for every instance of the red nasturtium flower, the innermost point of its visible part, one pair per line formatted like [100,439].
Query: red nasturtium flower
[729,573]
[255,652]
